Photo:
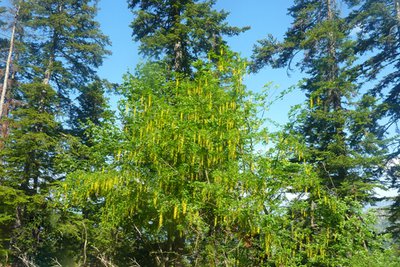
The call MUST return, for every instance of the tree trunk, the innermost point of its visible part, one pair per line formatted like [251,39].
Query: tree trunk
[178,60]
[397,8]
[178,49]
[49,69]
[8,63]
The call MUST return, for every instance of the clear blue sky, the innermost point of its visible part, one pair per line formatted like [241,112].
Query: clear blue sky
[262,16]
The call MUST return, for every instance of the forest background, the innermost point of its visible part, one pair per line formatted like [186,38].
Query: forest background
[189,158]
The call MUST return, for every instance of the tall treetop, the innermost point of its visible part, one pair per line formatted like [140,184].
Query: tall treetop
[70,47]
[181,31]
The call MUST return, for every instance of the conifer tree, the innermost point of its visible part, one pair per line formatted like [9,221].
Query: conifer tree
[378,24]
[73,46]
[59,46]
[336,126]
[91,109]
[62,45]
[179,31]
[28,169]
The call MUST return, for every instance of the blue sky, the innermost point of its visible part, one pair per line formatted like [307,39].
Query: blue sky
[262,16]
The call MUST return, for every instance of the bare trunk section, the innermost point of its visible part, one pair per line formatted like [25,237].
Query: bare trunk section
[397,8]
[178,45]
[8,63]
[85,244]
[178,61]
[47,73]
[49,69]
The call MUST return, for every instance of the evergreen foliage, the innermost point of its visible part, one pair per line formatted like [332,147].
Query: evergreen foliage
[378,42]
[337,127]
[28,169]
[58,46]
[179,31]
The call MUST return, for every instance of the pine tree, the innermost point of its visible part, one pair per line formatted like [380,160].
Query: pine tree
[180,31]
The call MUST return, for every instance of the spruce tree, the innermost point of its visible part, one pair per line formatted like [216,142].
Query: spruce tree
[179,31]
[28,170]
[62,46]
[337,126]
[378,42]
[91,110]
[59,43]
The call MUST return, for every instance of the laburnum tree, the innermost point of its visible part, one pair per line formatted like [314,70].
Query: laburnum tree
[179,31]
[181,162]
[378,24]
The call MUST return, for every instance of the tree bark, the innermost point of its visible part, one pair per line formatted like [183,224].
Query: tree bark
[178,46]
[178,51]
[397,7]
[8,63]
[49,69]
